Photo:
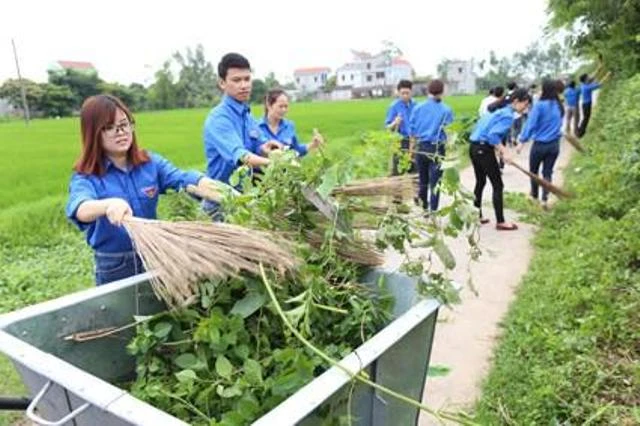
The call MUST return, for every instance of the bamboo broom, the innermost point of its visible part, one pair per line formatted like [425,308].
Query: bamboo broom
[542,182]
[180,254]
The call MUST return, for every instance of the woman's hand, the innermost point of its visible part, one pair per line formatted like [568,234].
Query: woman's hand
[267,147]
[117,210]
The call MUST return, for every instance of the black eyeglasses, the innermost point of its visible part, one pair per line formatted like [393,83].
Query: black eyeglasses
[112,129]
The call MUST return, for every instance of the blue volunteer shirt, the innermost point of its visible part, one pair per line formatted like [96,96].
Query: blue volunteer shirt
[428,120]
[493,128]
[286,135]
[400,107]
[544,123]
[571,96]
[230,133]
[586,91]
[138,186]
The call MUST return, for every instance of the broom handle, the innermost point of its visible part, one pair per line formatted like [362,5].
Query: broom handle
[574,142]
[545,183]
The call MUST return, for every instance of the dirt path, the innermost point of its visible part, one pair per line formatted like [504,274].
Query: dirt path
[466,335]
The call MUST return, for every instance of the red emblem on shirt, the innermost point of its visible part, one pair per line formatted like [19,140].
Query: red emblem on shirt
[150,191]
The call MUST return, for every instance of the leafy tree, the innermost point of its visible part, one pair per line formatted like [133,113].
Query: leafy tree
[259,91]
[197,83]
[271,82]
[55,100]
[139,96]
[606,30]
[330,84]
[163,93]
[81,84]
[119,90]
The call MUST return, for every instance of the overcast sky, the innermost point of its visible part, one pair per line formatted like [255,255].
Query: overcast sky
[128,40]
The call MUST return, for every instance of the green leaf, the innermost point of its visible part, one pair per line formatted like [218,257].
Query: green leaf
[229,392]
[249,304]
[162,329]
[224,368]
[329,182]
[253,372]
[438,370]
[186,361]
[445,255]
[242,351]
[186,376]
[451,177]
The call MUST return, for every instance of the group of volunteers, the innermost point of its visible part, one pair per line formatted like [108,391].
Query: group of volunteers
[513,116]
[114,178]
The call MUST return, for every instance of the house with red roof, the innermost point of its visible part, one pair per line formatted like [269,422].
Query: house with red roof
[311,79]
[79,66]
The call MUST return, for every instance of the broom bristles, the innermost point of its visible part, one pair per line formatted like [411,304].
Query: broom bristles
[377,186]
[180,254]
[357,251]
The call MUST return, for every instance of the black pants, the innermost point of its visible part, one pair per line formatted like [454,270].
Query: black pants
[404,145]
[544,154]
[485,164]
[586,115]
[428,162]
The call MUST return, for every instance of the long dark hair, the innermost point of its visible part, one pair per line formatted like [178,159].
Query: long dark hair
[550,93]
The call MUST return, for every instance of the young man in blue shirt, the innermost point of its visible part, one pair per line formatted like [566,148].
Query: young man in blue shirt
[397,120]
[427,124]
[231,135]
[486,144]
[587,87]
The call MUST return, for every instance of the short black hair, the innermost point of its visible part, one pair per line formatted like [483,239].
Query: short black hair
[584,78]
[512,85]
[533,86]
[491,91]
[520,95]
[232,60]
[435,87]
[498,91]
[572,84]
[405,84]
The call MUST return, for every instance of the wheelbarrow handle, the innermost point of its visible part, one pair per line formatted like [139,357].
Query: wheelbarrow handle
[39,420]
[13,403]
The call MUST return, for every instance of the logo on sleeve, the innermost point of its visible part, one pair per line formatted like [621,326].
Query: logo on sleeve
[150,191]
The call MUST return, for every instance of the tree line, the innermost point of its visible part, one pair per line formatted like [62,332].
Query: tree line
[185,80]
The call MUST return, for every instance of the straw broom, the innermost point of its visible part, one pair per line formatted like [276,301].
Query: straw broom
[180,254]
[542,182]
[393,185]
[357,251]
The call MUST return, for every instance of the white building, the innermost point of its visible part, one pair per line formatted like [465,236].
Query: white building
[309,80]
[460,79]
[373,71]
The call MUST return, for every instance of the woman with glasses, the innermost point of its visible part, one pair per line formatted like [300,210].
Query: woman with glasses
[113,179]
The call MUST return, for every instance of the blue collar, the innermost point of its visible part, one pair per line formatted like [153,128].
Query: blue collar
[239,107]
[107,163]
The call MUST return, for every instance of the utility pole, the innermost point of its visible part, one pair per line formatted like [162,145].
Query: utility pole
[25,106]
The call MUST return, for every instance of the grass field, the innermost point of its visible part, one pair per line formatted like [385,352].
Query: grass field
[44,257]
